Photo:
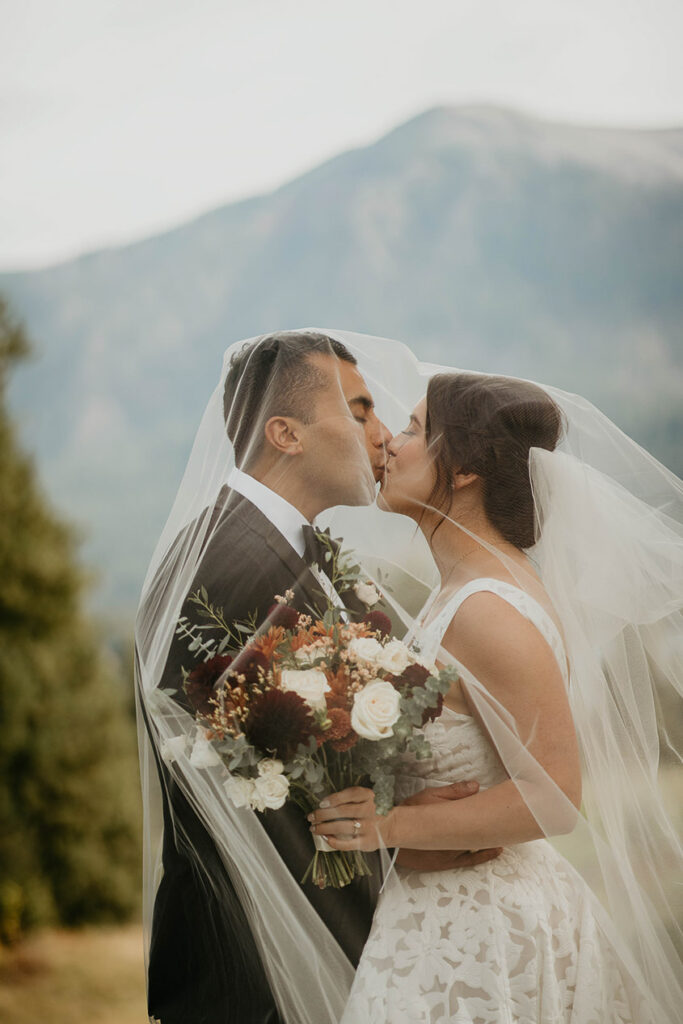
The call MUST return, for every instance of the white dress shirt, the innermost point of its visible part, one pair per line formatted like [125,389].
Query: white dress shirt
[286,519]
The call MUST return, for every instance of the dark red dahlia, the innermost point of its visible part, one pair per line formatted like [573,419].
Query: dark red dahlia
[378,622]
[201,682]
[414,676]
[278,722]
[283,615]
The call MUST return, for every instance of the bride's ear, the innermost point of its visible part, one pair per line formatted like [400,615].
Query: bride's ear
[283,435]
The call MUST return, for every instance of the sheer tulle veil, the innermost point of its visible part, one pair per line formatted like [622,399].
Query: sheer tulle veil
[608,552]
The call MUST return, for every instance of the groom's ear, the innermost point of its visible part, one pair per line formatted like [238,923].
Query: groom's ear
[283,434]
[462,479]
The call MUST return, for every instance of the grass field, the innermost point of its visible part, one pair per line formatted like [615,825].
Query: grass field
[94,976]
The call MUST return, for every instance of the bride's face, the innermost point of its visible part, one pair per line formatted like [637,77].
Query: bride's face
[410,474]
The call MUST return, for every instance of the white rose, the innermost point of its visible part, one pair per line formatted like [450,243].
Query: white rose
[307,655]
[271,791]
[270,766]
[394,658]
[173,748]
[203,754]
[311,684]
[365,648]
[241,791]
[367,593]
[375,710]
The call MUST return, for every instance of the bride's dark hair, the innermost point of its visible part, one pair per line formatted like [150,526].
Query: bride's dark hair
[486,425]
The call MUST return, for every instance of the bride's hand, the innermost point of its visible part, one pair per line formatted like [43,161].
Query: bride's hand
[348,820]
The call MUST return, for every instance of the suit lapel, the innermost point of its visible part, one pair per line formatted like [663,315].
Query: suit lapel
[302,578]
[300,572]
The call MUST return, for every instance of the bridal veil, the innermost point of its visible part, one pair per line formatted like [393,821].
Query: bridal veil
[608,549]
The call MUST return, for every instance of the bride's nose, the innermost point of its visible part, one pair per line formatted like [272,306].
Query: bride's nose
[394,445]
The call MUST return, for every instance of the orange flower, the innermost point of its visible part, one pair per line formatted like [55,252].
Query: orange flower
[338,694]
[345,743]
[305,637]
[268,642]
[341,724]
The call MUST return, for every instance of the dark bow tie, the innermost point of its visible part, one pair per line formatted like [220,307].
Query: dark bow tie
[316,548]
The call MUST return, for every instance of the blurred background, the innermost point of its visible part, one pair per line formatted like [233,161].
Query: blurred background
[499,186]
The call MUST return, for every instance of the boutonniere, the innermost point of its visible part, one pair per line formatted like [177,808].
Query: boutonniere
[346,574]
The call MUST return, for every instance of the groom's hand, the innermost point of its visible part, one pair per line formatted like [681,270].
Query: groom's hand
[443,860]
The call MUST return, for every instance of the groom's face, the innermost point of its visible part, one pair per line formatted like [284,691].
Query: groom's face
[360,402]
[336,466]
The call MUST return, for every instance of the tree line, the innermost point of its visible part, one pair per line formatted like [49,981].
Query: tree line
[69,784]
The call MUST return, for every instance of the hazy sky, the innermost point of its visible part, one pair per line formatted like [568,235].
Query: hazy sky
[123,117]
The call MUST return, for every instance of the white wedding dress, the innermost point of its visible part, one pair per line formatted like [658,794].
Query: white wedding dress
[512,940]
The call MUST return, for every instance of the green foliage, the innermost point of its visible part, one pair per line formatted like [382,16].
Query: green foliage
[69,793]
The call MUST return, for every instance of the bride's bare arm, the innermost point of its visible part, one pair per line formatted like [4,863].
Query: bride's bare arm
[513,662]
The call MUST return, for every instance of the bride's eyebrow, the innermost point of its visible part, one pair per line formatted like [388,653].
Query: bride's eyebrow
[415,420]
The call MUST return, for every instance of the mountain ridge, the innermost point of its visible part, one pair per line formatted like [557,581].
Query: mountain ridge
[473,234]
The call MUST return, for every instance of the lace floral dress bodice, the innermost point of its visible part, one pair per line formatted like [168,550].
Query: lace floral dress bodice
[512,941]
[460,749]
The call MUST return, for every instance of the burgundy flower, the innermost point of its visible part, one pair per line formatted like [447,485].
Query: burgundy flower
[247,664]
[378,622]
[414,676]
[283,615]
[201,682]
[278,722]
[429,714]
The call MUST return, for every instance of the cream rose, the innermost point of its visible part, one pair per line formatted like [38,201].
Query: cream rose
[375,710]
[240,791]
[365,648]
[271,791]
[367,593]
[394,658]
[270,766]
[311,684]
[173,748]
[203,754]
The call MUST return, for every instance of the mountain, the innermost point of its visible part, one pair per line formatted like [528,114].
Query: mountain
[480,237]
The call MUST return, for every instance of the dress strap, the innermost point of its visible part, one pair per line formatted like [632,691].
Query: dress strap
[524,603]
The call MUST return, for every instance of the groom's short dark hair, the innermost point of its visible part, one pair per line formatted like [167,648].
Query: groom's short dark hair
[273,376]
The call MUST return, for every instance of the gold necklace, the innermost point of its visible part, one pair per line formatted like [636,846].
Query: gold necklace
[458,561]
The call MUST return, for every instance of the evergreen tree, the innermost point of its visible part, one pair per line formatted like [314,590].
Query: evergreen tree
[69,789]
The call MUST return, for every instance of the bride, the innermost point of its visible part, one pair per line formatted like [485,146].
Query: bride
[521,938]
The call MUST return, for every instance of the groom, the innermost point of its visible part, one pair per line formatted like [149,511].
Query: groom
[306,438]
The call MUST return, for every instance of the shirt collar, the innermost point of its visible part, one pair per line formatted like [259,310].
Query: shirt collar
[283,516]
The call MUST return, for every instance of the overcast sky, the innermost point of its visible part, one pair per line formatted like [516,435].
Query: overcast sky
[123,117]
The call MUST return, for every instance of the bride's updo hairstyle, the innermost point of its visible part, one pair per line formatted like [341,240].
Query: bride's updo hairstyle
[486,425]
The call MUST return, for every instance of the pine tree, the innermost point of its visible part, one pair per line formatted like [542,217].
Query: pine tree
[69,790]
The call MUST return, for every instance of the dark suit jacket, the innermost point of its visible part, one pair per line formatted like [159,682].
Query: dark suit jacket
[204,966]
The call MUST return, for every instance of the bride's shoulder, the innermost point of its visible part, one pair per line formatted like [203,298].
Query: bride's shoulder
[492,635]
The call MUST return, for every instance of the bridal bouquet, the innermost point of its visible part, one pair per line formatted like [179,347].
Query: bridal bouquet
[309,707]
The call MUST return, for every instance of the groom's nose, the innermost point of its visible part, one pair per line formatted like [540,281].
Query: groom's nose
[381,435]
